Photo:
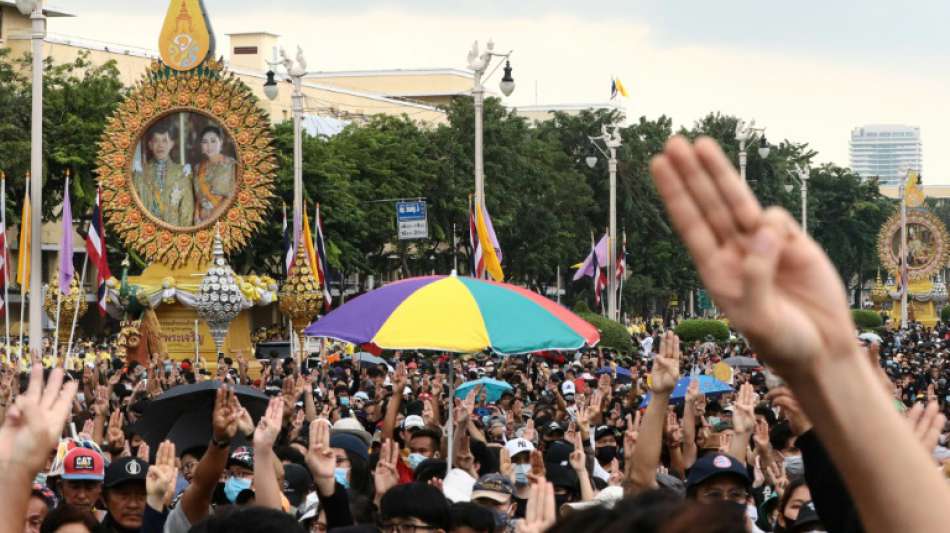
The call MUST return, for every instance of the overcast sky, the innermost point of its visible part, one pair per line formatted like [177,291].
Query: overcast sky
[808,71]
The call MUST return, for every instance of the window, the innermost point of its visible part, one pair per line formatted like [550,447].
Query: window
[245,50]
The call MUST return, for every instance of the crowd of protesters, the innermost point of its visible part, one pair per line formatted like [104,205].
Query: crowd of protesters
[830,433]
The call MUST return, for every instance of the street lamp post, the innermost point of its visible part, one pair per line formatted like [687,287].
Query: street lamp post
[479,63]
[801,175]
[746,132]
[34,9]
[612,140]
[903,260]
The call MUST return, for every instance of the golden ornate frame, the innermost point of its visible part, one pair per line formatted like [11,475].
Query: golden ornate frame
[207,90]
[892,228]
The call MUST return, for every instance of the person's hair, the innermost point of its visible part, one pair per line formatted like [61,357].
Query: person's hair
[779,435]
[793,485]
[231,519]
[67,514]
[766,412]
[287,453]
[473,516]
[645,512]
[486,461]
[430,469]
[161,129]
[719,517]
[360,480]
[416,500]
[432,434]
[212,129]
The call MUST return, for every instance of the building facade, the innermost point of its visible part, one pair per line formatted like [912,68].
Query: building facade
[885,151]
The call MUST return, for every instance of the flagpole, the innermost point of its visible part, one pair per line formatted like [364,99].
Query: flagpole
[6,263]
[59,305]
[82,294]
[559,283]
[623,256]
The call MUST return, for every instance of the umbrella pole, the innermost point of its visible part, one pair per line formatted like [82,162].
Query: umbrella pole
[451,426]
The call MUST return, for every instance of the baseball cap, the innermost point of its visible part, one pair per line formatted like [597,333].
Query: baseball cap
[413,422]
[125,469]
[353,427]
[567,388]
[553,427]
[83,464]
[350,443]
[716,464]
[361,395]
[297,481]
[494,487]
[807,519]
[516,446]
[604,431]
[242,456]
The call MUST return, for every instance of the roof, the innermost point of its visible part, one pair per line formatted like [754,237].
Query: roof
[252,33]
[564,107]
[394,72]
[50,11]
[92,44]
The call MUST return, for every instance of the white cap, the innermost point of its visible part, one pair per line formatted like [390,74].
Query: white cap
[413,422]
[519,445]
[362,396]
[567,388]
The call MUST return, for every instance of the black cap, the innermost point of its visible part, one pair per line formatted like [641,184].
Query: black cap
[297,482]
[807,518]
[125,469]
[716,464]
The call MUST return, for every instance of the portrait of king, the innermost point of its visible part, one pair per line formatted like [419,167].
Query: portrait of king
[164,186]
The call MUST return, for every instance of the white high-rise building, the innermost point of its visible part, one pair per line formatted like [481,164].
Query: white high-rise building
[885,151]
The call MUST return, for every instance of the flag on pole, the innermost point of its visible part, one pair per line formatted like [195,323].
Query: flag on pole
[622,258]
[23,259]
[491,251]
[323,266]
[308,245]
[598,253]
[616,87]
[478,262]
[289,248]
[66,268]
[96,251]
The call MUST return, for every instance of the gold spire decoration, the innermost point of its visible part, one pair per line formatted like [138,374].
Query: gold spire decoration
[300,296]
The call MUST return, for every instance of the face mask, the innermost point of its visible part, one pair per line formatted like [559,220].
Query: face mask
[521,473]
[345,401]
[415,459]
[342,476]
[713,420]
[81,397]
[794,465]
[501,519]
[605,454]
[233,486]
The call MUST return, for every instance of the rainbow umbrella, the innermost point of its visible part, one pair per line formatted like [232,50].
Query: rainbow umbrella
[456,314]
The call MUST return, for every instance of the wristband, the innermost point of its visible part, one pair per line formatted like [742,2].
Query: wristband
[221,444]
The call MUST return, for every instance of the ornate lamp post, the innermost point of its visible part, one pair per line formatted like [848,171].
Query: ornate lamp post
[219,297]
[745,132]
[300,296]
[72,304]
[610,137]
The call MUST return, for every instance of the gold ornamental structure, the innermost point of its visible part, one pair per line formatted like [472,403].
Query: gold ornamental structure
[68,303]
[300,297]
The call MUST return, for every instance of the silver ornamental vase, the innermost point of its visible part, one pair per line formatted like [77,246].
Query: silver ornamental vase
[219,297]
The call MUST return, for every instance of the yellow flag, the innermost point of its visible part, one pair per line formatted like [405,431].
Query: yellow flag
[185,40]
[620,88]
[492,264]
[308,246]
[914,196]
[23,259]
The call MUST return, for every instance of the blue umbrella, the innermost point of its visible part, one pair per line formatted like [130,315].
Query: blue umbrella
[622,373]
[493,387]
[708,385]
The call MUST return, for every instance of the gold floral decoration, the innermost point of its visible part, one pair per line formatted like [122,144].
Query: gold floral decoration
[928,256]
[207,90]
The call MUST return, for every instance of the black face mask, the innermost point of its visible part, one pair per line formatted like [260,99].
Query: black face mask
[605,454]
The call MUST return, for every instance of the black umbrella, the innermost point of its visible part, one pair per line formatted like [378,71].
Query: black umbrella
[182,414]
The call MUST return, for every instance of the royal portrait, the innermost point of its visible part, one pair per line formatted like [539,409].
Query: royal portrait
[184,169]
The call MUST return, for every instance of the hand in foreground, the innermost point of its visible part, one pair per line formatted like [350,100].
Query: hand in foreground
[386,475]
[34,423]
[224,418]
[540,513]
[268,428]
[926,423]
[743,418]
[774,283]
[320,457]
[162,477]
[666,364]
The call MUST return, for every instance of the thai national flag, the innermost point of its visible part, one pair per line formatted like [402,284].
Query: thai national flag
[322,264]
[96,248]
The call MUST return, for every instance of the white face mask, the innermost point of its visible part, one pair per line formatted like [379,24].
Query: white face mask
[794,465]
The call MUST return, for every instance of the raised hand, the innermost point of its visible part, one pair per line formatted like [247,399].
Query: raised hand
[666,364]
[399,378]
[529,432]
[101,405]
[505,467]
[774,283]
[541,512]
[224,418]
[761,438]
[578,459]
[537,473]
[143,452]
[926,423]
[34,423]
[630,437]
[114,434]
[694,397]
[672,431]
[268,428]
[245,424]
[743,418]
[782,397]
[386,475]
[320,457]
[161,478]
